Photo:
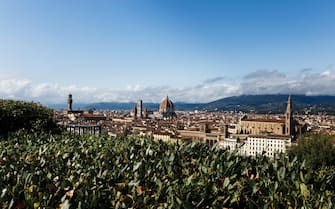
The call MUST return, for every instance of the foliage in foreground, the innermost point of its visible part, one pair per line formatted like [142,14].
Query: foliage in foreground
[16,115]
[318,150]
[55,171]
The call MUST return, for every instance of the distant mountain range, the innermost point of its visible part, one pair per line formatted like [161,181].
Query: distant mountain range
[245,103]
[130,105]
[273,104]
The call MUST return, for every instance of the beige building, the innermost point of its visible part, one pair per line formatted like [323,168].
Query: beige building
[281,127]
[164,136]
[205,134]
[262,126]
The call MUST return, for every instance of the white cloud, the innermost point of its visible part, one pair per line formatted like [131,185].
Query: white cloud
[214,80]
[312,83]
[13,88]
[258,82]
[265,74]
[55,93]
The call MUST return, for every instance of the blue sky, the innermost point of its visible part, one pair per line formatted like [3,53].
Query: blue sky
[195,51]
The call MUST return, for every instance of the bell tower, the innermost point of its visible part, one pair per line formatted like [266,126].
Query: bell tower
[69,102]
[140,108]
[289,118]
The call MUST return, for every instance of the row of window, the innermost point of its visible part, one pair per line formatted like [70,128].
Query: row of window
[266,145]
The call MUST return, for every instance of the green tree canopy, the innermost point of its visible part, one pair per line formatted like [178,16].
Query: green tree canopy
[317,150]
[16,115]
[40,170]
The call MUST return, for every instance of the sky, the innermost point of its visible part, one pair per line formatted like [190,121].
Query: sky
[191,50]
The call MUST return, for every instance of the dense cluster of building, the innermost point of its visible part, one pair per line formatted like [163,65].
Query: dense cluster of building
[247,134]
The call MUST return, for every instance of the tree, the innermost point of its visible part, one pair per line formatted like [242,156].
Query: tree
[16,115]
[317,150]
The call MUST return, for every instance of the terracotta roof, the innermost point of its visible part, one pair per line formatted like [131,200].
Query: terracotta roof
[270,136]
[94,117]
[264,120]
[166,104]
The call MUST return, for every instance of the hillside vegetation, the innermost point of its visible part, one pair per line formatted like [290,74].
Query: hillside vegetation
[318,150]
[16,115]
[67,171]
[273,103]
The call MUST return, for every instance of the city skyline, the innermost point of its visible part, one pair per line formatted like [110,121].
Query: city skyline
[194,51]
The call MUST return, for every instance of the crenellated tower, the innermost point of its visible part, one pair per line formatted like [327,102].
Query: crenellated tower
[69,102]
[289,118]
[140,108]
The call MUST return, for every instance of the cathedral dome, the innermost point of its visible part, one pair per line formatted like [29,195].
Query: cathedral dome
[166,105]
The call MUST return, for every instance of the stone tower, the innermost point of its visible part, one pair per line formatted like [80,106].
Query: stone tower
[69,102]
[140,108]
[289,118]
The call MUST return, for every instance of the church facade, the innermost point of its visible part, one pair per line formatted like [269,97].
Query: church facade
[280,127]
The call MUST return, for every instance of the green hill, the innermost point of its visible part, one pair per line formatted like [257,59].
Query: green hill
[273,104]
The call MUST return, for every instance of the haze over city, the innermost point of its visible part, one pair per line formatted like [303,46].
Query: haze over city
[194,51]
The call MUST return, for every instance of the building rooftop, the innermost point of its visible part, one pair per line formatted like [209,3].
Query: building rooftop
[263,120]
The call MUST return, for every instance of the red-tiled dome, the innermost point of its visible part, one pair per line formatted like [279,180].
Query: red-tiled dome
[166,105]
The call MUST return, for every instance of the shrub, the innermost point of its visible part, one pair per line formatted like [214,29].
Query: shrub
[16,115]
[55,171]
[317,150]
